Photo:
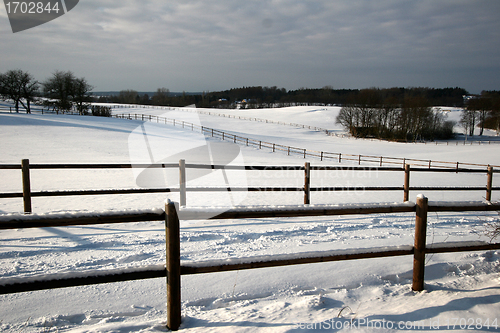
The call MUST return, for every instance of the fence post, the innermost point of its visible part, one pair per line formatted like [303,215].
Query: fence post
[307,183]
[182,182]
[173,266]
[25,168]
[489,184]
[419,248]
[406,190]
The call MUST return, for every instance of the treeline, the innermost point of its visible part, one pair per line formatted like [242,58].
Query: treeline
[263,97]
[373,113]
[162,97]
[62,92]
[380,113]
[271,97]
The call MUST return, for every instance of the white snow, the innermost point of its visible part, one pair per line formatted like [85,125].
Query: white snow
[461,288]
[302,255]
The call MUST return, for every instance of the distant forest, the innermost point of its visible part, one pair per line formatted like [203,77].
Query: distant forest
[267,97]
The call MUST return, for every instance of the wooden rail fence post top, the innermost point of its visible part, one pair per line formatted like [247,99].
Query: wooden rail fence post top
[422,206]
[422,198]
[171,204]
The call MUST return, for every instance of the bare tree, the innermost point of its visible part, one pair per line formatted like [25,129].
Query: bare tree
[129,96]
[468,121]
[481,106]
[359,115]
[81,95]
[367,114]
[161,96]
[60,87]
[20,87]
[417,117]
[492,229]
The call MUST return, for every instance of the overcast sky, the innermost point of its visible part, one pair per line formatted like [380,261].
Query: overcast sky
[216,45]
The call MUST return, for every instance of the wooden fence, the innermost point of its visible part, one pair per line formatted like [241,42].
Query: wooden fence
[35,108]
[27,194]
[174,268]
[362,158]
[302,152]
[333,133]
[267,121]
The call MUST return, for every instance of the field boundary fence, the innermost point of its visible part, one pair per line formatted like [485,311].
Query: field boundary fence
[466,141]
[27,193]
[358,159]
[474,141]
[267,121]
[174,268]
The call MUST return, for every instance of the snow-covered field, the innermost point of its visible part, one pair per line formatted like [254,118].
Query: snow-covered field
[462,289]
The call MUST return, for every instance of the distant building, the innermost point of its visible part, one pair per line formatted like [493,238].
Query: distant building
[468,97]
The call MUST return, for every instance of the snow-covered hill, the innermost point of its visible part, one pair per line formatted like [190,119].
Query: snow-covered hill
[461,289]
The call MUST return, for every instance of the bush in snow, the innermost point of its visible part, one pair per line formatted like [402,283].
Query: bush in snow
[370,114]
[101,111]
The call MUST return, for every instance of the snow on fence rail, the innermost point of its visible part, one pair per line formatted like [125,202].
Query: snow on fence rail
[174,268]
[27,194]
[322,155]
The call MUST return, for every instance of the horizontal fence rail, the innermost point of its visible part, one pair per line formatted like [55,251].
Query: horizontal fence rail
[21,221]
[174,268]
[27,194]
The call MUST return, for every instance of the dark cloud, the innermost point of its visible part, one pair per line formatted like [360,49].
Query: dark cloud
[201,45]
